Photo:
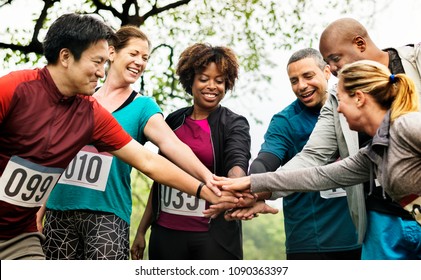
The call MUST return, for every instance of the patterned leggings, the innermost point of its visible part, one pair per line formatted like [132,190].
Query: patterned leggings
[79,235]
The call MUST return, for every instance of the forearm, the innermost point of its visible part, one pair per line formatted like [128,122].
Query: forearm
[345,173]
[147,217]
[157,167]
[265,162]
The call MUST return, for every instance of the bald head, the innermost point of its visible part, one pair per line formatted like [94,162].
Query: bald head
[344,29]
[346,40]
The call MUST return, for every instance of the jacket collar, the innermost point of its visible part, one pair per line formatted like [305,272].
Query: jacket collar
[212,115]
[381,138]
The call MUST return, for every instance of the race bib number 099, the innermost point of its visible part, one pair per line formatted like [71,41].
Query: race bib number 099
[27,184]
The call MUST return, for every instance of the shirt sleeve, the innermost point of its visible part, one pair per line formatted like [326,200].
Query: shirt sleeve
[322,145]
[8,84]
[344,173]
[237,144]
[404,159]
[147,108]
[278,139]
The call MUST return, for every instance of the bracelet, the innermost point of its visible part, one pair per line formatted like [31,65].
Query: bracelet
[199,189]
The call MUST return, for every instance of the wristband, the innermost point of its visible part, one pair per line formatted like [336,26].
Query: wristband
[199,189]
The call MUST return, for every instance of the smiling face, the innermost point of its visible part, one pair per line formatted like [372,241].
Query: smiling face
[348,106]
[82,75]
[130,62]
[208,87]
[309,82]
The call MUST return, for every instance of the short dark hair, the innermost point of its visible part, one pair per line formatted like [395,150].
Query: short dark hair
[308,53]
[75,32]
[197,57]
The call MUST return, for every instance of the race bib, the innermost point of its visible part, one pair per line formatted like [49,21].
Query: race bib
[176,202]
[27,184]
[333,193]
[88,169]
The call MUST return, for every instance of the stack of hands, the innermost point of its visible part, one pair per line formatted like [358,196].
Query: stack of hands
[238,202]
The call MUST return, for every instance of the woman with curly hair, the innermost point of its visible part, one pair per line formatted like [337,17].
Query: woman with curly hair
[220,139]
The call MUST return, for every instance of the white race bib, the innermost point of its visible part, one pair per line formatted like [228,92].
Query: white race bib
[333,193]
[88,170]
[27,184]
[179,203]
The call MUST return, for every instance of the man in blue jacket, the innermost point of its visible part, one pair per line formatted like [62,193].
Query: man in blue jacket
[316,226]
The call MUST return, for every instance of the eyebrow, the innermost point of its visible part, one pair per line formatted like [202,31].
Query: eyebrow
[101,58]
[330,57]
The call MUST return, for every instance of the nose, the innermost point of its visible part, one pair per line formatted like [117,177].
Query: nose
[302,85]
[100,72]
[211,84]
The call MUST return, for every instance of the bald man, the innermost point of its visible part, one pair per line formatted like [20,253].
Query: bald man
[385,229]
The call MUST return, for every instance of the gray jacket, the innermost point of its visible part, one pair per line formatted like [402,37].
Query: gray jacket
[332,138]
[393,157]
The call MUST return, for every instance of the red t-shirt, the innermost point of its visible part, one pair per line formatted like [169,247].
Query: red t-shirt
[43,130]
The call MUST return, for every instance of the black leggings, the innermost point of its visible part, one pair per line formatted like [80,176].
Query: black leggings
[168,244]
[85,235]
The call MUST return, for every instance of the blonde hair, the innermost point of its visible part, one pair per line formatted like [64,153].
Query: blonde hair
[394,92]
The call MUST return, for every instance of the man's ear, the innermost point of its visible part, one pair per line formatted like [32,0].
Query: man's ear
[360,43]
[64,57]
[326,72]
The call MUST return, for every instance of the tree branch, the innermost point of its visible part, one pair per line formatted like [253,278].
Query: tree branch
[155,10]
[101,6]
[35,48]
[5,3]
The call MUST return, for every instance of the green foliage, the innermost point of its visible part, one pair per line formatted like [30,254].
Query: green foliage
[263,237]
[141,186]
[254,29]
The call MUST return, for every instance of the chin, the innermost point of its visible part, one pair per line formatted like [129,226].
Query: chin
[89,92]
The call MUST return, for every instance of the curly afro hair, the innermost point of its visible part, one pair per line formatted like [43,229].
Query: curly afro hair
[197,57]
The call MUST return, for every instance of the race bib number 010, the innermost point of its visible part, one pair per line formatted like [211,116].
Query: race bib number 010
[27,184]
[179,203]
[88,170]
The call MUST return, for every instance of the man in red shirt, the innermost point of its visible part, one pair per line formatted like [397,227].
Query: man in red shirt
[47,115]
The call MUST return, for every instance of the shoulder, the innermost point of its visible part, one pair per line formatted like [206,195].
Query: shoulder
[226,115]
[179,112]
[292,110]
[13,79]
[145,101]
[408,121]
[175,118]
[407,128]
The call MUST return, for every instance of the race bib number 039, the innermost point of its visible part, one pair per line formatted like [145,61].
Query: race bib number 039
[27,184]
[176,202]
[88,170]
